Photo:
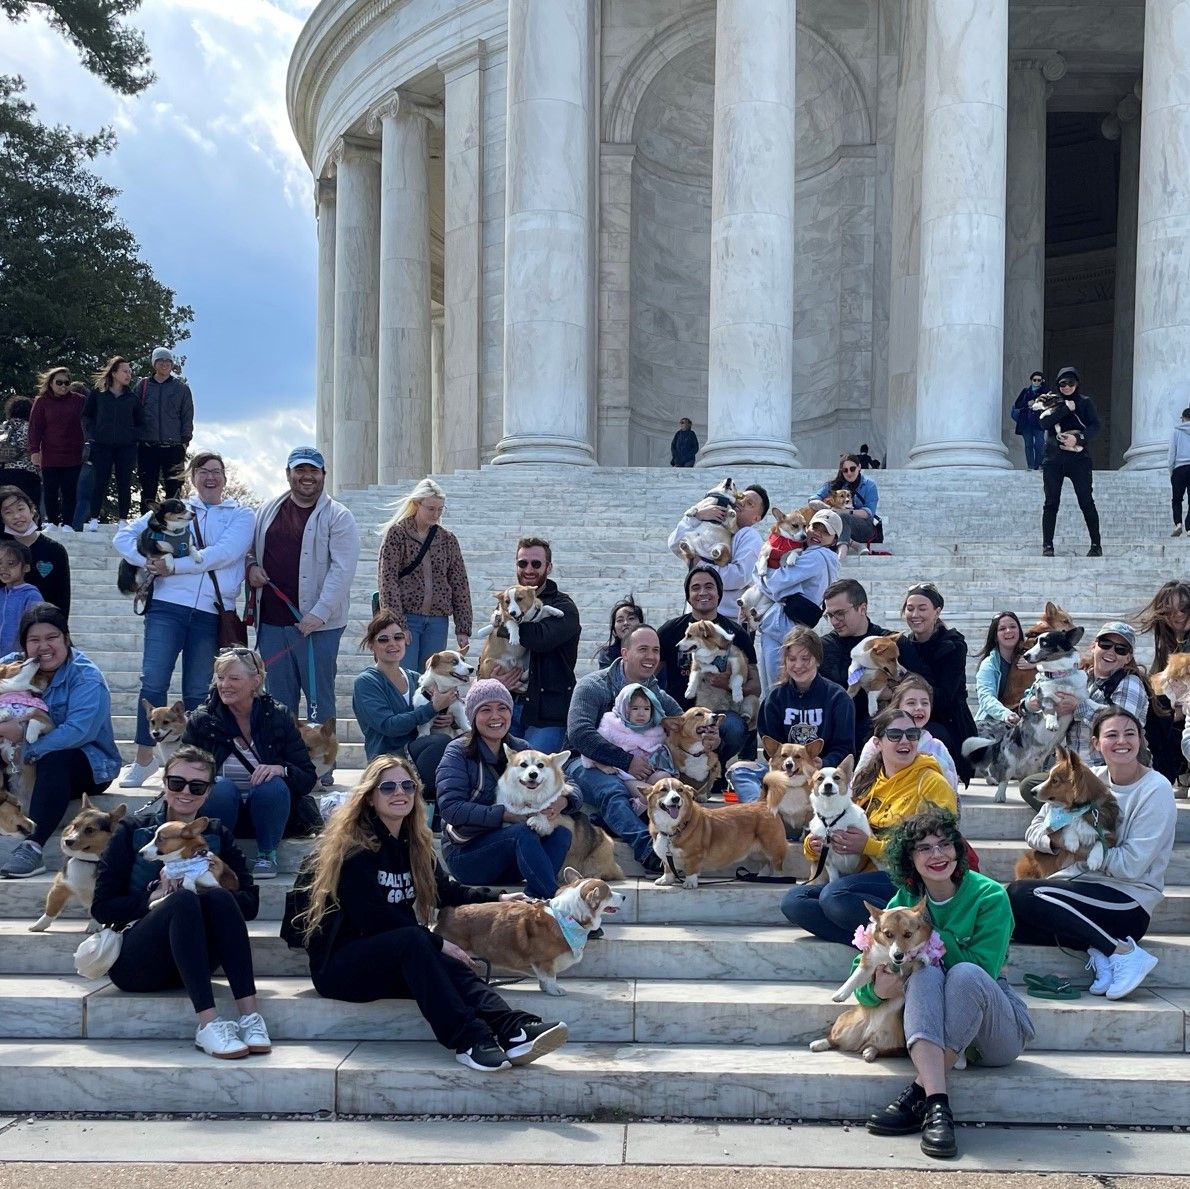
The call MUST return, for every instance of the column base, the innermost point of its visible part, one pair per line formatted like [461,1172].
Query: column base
[1150,456]
[748,452]
[969,453]
[532,448]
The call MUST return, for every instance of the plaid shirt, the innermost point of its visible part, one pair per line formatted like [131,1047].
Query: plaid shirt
[1129,695]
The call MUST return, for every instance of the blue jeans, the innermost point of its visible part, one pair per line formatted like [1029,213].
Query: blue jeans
[1034,448]
[82,498]
[746,780]
[427,635]
[267,809]
[509,855]
[171,629]
[609,795]
[732,736]
[835,910]
[286,654]
[547,739]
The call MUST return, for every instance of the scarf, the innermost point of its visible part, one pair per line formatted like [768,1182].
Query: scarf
[574,934]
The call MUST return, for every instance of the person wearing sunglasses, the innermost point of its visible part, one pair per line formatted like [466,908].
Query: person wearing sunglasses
[1069,426]
[899,784]
[859,525]
[175,938]
[1028,422]
[369,894]
[56,444]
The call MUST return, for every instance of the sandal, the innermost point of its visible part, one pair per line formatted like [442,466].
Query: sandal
[1051,986]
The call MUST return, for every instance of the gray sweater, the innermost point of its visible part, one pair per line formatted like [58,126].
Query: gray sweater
[1179,445]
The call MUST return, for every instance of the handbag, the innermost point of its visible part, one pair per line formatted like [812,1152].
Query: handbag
[801,610]
[405,571]
[232,631]
[98,952]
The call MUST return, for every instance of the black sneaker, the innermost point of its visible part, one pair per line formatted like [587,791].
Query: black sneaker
[485,1057]
[1095,551]
[596,934]
[652,864]
[902,1116]
[937,1132]
[535,1040]
[1047,551]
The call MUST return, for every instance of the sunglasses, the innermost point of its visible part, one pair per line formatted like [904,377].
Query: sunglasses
[896,734]
[390,786]
[199,788]
[60,383]
[1112,646]
[525,564]
[397,639]
[1067,383]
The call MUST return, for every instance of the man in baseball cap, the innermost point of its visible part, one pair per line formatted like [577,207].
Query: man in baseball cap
[168,407]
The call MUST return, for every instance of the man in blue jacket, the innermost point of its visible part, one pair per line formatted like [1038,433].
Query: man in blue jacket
[1028,422]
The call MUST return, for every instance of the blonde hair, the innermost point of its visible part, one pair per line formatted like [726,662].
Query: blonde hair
[238,655]
[427,489]
[348,832]
[43,380]
[102,379]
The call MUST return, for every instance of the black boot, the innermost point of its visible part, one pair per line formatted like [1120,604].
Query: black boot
[903,1115]
[937,1131]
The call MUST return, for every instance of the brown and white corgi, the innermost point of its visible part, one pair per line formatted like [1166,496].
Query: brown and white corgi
[183,850]
[875,668]
[786,785]
[531,781]
[712,650]
[1053,619]
[539,937]
[322,743]
[591,848]
[13,821]
[688,837]
[167,724]
[711,540]
[830,798]
[685,736]
[1174,681]
[502,649]
[83,842]
[444,671]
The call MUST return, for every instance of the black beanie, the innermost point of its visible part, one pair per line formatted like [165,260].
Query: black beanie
[703,570]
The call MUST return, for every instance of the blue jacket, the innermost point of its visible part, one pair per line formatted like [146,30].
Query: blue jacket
[1026,418]
[80,704]
[989,677]
[863,494]
[13,601]
[823,712]
[388,721]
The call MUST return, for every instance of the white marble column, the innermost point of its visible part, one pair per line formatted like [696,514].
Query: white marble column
[1124,323]
[549,230]
[750,356]
[1024,246]
[437,392]
[357,312]
[457,446]
[960,355]
[324,325]
[405,412]
[1161,362]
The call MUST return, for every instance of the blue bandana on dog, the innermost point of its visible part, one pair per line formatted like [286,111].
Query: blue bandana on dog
[574,934]
[1057,817]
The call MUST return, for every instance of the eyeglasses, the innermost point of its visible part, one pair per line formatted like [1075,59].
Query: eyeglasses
[399,638]
[389,787]
[896,734]
[1113,646]
[524,563]
[833,615]
[60,383]
[209,471]
[944,849]
[1067,383]
[198,788]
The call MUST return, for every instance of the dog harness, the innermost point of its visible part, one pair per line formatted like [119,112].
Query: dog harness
[574,934]
[778,547]
[826,843]
[187,868]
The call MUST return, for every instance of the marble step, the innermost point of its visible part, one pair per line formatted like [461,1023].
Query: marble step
[611,1011]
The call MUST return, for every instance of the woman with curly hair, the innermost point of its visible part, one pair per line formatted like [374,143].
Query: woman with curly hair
[961,1010]
[374,888]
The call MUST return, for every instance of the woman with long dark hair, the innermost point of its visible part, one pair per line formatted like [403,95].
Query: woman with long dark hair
[56,443]
[626,615]
[859,524]
[113,418]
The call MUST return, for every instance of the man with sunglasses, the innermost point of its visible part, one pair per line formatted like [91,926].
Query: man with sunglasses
[1068,427]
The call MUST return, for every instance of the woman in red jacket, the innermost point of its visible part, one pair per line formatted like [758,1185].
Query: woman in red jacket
[56,443]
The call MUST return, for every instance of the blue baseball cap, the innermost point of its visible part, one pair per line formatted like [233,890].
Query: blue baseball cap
[305,454]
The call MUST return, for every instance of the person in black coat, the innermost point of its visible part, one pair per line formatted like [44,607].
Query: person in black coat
[939,654]
[845,604]
[683,449]
[1028,422]
[177,938]
[1068,427]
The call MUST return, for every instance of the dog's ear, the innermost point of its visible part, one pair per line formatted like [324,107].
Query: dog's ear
[873,911]
[771,746]
[558,759]
[892,635]
[776,514]
[1052,610]
[179,707]
[196,827]
[509,754]
[672,722]
[1076,634]
[118,813]
[570,875]
[846,767]
[921,906]
[149,707]
[814,748]
[86,803]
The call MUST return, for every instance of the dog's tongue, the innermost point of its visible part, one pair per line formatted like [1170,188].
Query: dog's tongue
[609,910]
[672,810]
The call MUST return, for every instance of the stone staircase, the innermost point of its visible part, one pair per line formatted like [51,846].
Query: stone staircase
[698,1004]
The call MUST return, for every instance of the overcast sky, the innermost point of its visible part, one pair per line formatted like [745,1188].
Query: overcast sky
[216,192]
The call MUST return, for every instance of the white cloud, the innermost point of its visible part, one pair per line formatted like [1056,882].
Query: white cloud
[256,449]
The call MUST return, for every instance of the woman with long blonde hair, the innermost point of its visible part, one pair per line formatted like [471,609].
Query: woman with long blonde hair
[373,889]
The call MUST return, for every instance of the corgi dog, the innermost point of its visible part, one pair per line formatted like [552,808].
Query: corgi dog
[786,541]
[1173,682]
[591,848]
[688,837]
[1081,816]
[531,781]
[838,498]
[165,536]
[13,821]
[322,743]
[83,841]
[904,940]
[685,736]
[1058,670]
[786,785]
[502,649]
[711,540]
[21,684]
[539,937]
[712,649]
[183,850]
[830,798]
[1052,619]
[445,670]
[167,725]
[875,668]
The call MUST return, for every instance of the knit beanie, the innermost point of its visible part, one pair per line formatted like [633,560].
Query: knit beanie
[703,570]
[487,690]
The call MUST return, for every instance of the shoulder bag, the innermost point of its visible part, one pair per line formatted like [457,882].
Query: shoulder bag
[405,571]
[97,954]
[233,632]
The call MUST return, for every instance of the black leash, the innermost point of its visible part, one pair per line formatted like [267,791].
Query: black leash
[826,843]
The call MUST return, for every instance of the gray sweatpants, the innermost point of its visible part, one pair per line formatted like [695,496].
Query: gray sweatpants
[962,1006]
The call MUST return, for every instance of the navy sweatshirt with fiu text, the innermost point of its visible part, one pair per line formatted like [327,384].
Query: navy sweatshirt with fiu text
[823,711]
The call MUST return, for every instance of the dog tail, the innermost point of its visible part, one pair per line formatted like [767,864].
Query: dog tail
[127,578]
[981,752]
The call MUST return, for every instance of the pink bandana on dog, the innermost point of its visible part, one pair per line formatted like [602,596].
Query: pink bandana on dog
[932,951]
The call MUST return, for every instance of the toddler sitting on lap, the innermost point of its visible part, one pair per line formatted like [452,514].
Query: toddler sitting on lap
[634,724]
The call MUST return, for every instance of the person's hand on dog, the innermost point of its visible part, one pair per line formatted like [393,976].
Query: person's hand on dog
[256,576]
[1012,718]
[443,698]
[551,811]
[814,844]
[849,841]
[159,567]
[442,722]
[715,514]
[510,679]
[163,889]
[507,896]
[710,738]
[641,768]
[1065,702]
[717,680]
[886,984]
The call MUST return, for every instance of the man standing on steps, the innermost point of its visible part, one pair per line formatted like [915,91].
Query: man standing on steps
[684,448]
[168,427]
[302,562]
[703,593]
[540,713]
[752,508]
[845,603]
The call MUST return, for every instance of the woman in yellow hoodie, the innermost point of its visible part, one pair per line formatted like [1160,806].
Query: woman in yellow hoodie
[901,783]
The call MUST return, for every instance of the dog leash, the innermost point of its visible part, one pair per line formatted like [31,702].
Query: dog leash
[826,842]
[312,707]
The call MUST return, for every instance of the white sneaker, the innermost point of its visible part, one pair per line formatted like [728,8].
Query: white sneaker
[1128,970]
[65,528]
[92,525]
[254,1033]
[137,774]
[1101,964]
[220,1038]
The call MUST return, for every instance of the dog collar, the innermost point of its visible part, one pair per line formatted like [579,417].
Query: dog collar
[187,868]
[719,664]
[573,933]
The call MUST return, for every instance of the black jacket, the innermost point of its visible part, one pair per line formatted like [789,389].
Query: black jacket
[1082,419]
[125,879]
[113,420]
[683,449]
[836,661]
[554,645]
[676,665]
[942,661]
[275,739]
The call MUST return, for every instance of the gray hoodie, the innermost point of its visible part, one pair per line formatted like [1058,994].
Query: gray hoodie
[1179,445]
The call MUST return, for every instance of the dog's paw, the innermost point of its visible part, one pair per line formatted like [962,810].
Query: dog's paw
[820,1046]
[1096,857]
[840,996]
[665,881]
[554,988]
[871,1053]
[1001,794]
[690,882]
[540,824]
[167,560]
[197,555]
[41,925]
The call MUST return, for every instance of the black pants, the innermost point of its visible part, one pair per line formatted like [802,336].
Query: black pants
[103,460]
[184,939]
[159,464]
[60,484]
[461,1009]
[62,777]
[1179,481]
[1077,914]
[425,751]
[28,481]
[1075,466]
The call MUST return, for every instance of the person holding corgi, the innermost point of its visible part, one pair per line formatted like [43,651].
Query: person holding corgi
[859,525]
[1069,425]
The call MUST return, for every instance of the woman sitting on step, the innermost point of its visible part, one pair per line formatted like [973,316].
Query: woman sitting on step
[1106,911]
[179,938]
[963,1009]
[859,527]
[368,897]
[915,696]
